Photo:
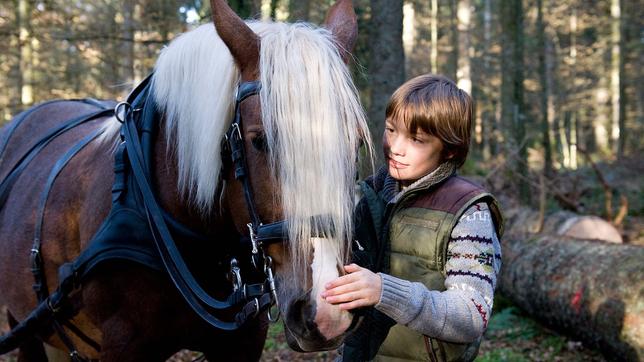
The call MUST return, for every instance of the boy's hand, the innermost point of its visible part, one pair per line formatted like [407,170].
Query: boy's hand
[359,288]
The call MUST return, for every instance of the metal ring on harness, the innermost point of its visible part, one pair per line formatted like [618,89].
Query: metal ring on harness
[117,115]
[268,270]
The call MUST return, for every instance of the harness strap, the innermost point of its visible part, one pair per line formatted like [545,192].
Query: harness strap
[119,186]
[9,180]
[43,316]
[23,115]
[36,258]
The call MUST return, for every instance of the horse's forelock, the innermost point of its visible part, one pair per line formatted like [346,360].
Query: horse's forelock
[314,121]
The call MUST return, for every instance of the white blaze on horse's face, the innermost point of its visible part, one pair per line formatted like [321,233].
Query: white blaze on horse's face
[331,321]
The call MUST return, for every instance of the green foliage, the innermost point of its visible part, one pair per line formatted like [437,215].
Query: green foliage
[554,344]
[275,338]
[512,325]
[502,355]
[474,166]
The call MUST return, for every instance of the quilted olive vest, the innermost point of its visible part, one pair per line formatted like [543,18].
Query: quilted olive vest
[420,225]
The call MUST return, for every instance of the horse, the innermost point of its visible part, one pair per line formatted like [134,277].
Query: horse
[254,130]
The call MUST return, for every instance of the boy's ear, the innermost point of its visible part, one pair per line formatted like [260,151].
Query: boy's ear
[448,155]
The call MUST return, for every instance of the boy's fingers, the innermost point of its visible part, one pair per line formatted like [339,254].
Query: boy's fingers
[352,305]
[342,298]
[340,289]
[345,279]
[351,268]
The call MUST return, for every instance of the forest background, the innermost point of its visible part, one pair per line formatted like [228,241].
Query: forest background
[558,85]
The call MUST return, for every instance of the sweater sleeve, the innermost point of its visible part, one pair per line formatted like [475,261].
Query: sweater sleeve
[460,313]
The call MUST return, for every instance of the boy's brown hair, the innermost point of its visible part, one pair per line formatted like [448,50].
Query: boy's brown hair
[436,105]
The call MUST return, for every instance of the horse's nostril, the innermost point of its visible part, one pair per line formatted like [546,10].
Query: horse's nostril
[301,315]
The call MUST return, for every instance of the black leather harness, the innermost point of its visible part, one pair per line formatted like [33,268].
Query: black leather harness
[150,230]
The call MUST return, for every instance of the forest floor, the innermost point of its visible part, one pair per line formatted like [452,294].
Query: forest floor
[511,337]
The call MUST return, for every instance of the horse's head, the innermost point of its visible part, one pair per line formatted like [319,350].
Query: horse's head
[300,134]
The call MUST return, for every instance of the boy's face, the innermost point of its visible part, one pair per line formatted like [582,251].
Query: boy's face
[410,156]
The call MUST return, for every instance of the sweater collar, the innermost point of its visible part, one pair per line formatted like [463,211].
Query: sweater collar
[392,192]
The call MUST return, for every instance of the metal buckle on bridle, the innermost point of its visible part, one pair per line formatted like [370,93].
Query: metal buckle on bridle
[236,130]
[255,257]
[268,270]
[235,275]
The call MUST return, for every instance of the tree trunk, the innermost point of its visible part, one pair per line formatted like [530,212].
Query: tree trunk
[463,72]
[544,95]
[453,59]
[489,116]
[616,86]
[25,80]
[298,10]
[386,62]
[551,85]
[408,34]
[433,54]
[590,290]
[256,9]
[274,9]
[639,82]
[621,142]
[512,94]
[127,44]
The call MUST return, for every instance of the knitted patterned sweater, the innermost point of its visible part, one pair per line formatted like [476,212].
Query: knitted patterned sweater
[460,313]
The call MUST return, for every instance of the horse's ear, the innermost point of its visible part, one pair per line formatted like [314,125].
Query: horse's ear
[342,22]
[240,39]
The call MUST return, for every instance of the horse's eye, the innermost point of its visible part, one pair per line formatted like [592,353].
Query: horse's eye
[259,142]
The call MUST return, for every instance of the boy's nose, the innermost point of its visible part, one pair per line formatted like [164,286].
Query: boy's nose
[397,146]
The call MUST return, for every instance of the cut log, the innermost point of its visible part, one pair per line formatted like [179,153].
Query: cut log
[564,223]
[590,290]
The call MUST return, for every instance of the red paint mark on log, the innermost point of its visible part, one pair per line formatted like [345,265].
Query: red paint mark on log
[576,300]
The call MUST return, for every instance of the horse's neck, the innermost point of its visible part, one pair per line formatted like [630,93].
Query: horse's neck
[165,183]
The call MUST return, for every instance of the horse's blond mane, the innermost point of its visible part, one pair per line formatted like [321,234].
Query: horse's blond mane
[311,113]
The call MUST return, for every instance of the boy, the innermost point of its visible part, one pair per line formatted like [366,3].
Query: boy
[433,237]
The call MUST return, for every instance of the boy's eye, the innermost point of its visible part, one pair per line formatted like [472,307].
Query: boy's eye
[418,140]
[389,129]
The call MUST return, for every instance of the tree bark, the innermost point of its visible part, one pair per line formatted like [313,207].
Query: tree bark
[512,91]
[25,80]
[433,53]
[463,72]
[616,81]
[453,58]
[298,10]
[128,43]
[544,95]
[486,103]
[590,290]
[522,220]
[386,63]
